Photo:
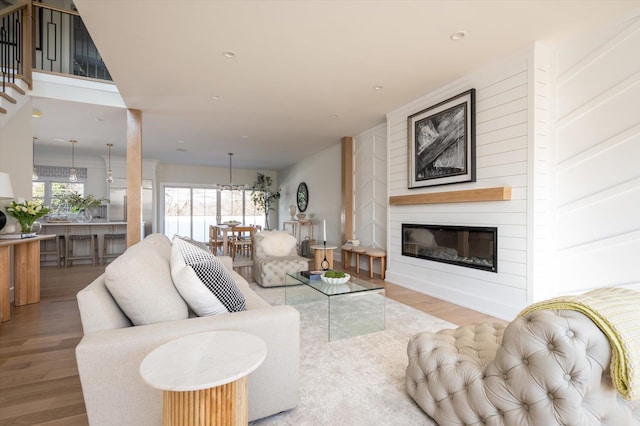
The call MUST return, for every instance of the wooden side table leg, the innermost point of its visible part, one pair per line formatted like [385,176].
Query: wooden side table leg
[330,258]
[26,273]
[224,405]
[5,303]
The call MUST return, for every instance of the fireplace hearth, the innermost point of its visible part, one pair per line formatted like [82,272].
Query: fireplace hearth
[466,246]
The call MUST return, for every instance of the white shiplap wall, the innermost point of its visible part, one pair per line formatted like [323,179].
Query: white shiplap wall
[503,132]
[370,190]
[597,157]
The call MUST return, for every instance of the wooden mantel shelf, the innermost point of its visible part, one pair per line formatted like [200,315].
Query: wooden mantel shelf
[500,193]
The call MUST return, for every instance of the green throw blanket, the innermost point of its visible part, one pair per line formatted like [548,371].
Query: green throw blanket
[616,311]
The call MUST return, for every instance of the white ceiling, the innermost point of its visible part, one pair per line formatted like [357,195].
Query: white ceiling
[297,63]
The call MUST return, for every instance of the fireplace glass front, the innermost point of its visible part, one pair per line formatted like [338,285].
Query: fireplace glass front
[468,246]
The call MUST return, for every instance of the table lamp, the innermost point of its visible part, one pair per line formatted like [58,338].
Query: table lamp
[6,191]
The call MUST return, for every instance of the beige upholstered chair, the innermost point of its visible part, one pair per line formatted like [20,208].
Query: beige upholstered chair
[275,256]
[547,367]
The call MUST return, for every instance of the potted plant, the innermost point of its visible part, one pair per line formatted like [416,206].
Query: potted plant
[82,205]
[26,212]
[263,197]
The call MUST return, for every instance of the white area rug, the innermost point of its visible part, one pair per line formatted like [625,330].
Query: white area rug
[355,381]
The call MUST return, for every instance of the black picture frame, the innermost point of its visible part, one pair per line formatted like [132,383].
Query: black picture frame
[302,197]
[442,143]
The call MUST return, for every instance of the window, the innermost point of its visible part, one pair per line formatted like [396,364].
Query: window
[52,192]
[189,211]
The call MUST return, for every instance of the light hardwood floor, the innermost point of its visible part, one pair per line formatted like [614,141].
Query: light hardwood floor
[39,382]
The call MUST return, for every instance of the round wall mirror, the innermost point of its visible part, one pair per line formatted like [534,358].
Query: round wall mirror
[303,197]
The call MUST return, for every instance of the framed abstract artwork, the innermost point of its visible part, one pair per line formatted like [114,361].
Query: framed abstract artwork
[442,142]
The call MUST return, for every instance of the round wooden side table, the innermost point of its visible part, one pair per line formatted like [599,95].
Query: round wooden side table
[204,377]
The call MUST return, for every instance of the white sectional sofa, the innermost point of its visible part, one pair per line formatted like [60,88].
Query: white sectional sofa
[110,353]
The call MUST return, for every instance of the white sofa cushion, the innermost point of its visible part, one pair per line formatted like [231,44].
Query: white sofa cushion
[203,281]
[140,282]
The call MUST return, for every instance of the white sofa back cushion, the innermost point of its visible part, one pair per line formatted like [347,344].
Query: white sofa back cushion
[140,282]
[203,281]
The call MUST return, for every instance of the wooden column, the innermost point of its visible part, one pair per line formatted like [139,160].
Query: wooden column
[347,189]
[134,176]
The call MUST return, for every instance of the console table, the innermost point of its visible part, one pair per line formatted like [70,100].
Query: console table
[296,228]
[204,377]
[26,273]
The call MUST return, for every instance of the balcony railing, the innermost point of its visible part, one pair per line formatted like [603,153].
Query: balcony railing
[48,39]
[63,45]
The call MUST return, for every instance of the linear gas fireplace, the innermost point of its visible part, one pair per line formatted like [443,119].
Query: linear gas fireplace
[469,246]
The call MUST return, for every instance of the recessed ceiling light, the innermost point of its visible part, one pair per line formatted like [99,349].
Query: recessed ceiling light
[180,141]
[60,140]
[458,35]
[181,150]
[216,97]
[378,87]
[36,113]
[100,120]
[229,54]
[245,137]
[333,116]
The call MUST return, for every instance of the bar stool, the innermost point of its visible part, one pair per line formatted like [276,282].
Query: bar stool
[93,246]
[58,250]
[113,238]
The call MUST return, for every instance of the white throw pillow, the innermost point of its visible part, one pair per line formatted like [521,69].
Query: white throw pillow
[140,282]
[203,281]
[277,243]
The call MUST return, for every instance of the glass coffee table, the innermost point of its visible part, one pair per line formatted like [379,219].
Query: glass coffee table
[352,309]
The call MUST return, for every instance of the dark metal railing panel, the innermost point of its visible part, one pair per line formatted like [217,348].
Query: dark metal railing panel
[11,32]
[63,44]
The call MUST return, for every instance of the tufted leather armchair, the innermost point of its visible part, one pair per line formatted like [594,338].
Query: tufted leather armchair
[269,270]
[546,368]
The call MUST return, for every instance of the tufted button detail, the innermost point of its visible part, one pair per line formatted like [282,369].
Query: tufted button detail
[551,346]
[567,377]
[506,377]
[450,396]
[570,333]
[551,396]
[525,407]
[525,361]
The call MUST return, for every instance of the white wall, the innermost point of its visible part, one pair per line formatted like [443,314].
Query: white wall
[370,190]
[597,157]
[16,152]
[322,174]
[502,137]
[560,125]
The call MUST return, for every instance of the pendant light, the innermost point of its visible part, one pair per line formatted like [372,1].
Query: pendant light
[109,172]
[73,175]
[34,174]
[230,186]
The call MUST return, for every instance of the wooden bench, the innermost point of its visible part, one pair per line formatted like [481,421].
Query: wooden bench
[372,252]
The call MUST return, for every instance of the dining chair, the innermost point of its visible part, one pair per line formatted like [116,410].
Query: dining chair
[242,241]
[215,239]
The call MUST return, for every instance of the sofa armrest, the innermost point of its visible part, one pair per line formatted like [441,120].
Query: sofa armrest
[227,261]
[109,362]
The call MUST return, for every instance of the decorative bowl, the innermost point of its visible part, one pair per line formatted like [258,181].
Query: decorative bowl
[343,280]
[301,216]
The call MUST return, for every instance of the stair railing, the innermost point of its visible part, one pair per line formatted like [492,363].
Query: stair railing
[15,44]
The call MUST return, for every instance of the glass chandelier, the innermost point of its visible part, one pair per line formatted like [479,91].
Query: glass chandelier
[73,175]
[109,172]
